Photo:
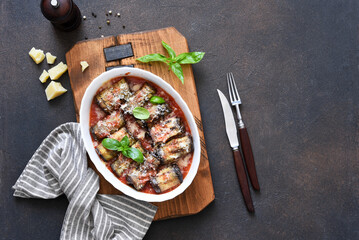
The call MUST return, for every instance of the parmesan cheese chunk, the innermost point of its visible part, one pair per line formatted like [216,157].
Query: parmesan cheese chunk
[44,76]
[54,90]
[50,58]
[84,65]
[57,71]
[37,55]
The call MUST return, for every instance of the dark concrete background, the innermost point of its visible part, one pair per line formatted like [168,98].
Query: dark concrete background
[296,64]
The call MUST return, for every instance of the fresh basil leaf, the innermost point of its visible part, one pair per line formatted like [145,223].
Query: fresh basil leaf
[170,51]
[141,113]
[134,154]
[189,58]
[173,62]
[179,57]
[111,144]
[125,153]
[157,100]
[124,141]
[177,69]
[152,58]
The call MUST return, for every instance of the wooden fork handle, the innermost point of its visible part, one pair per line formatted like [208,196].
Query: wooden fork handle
[248,157]
[242,178]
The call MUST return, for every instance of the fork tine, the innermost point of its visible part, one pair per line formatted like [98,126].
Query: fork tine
[235,92]
[229,88]
[232,87]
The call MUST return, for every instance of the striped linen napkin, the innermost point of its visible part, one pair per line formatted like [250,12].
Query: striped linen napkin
[59,166]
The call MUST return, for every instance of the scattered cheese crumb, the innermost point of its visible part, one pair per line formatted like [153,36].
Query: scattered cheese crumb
[44,76]
[37,55]
[50,58]
[57,71]
[84,65]
[54,90]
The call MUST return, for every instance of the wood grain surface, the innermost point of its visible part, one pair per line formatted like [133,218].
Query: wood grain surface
[200,193]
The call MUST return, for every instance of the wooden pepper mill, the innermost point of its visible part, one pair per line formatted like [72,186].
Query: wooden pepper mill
[63,14]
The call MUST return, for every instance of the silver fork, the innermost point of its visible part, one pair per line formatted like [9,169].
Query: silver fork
[245,142]
[234,96]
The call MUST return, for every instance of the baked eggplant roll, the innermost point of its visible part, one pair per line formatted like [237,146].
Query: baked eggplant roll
[167,178]
[110,99]
[107,154]
[121,165]
[120,134]
[150,162]
[124,164]
[110,124]
[137,130]
[157,111]
[134,128]
[138,177]
[166,129]
[138,146]
[175,149]
[139,98]
[104,153]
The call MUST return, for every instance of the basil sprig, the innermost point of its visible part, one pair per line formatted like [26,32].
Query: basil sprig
[174,62]
[157,100]
[141,113]
[123,147]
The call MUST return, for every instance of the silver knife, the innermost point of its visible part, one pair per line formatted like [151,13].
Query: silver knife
[231,130]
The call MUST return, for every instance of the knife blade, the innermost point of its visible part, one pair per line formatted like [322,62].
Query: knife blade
[231,130]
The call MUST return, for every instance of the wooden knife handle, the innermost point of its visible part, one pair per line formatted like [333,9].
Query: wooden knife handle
[242,178]
[248,157]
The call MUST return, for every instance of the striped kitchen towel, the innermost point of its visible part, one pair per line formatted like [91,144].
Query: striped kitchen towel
[59,166]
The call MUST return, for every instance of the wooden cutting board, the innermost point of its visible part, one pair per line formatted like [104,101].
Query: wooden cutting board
[200,193]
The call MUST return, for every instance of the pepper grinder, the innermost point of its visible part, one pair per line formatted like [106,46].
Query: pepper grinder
[63,14]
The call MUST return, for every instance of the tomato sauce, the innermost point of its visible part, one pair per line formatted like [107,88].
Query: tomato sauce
[135,83]
[96,113]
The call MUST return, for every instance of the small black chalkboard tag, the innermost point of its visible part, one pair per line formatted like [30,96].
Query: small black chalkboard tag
[118,52]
